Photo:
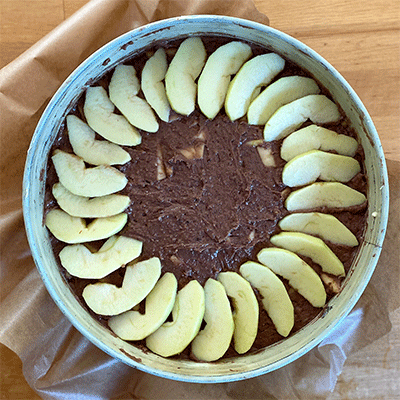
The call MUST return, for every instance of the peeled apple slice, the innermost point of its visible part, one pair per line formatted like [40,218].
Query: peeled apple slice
[307,167]
[187,314]
[276,300]
[182,72]
[153,75]
[75,230]
[216,76]
[87,207]
[124,87]
[314,137]
[316,107]
[132,325]
[92,151]
[117,251]
[99,113]
[299,274]
[87,182]
[312,247]
[139,280]
[324,194]
[255,73]
[279,93]
[212,342]
[323,225]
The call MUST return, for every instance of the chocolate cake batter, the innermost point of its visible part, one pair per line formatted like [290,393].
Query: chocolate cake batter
[203,201]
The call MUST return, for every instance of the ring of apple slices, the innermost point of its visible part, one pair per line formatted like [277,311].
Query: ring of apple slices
[228,304]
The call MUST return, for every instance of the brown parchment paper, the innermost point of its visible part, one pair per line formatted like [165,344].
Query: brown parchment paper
[58,362]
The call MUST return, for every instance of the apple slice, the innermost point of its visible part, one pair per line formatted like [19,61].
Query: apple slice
[316,107]
[312,247]
[173,337]
[86,207]
[299,274]
[99,113]
[124,87]
[75,230]
[212,342]
[153,88]
[92,151]
[88,182]
[117,251]
[276,300]
[316,164]
[216,76]
[132,325]
[257,72]
[139,280]
[314,137]
[324,194]
[246,312]
[325,226]
[283,91]
[182,72]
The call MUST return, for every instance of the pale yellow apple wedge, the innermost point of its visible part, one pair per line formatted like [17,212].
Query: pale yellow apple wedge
[99,113]
[132,325]
[245,309]
[307,167]
[124,89]
[324,194]
[275,298]
[182,73]
[312,247]
[283,91]
[153,75]
[89,207]
[212,342]
[299,274]
[75,230]
[314,137]
[92,151]
[117,251]
[173,337]
[255,73]
[216,75]
[139,280]
[315,107]
[88,182]
[325,226]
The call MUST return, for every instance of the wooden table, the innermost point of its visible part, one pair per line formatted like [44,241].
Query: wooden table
[360,38]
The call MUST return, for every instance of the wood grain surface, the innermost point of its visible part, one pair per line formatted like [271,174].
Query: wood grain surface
[361,38]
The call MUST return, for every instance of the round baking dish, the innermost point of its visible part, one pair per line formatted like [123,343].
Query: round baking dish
[272,357]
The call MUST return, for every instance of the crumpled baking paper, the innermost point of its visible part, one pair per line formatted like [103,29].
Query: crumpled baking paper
[58,362]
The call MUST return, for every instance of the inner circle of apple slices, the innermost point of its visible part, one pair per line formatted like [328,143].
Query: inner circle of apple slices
[228,304]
